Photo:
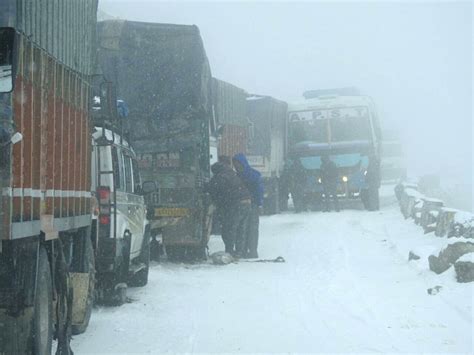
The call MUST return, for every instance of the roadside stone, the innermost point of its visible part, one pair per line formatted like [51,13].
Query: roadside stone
[413,256]
[449,256]
[464,268]
[434,290]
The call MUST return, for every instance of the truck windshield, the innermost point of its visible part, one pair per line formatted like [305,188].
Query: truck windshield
[344,129]
[313,131]
[6,57]
[330,125]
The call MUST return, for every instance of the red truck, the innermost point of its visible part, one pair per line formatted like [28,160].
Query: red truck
[46,252]
[231,117]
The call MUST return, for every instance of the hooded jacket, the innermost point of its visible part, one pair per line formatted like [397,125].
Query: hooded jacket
[252,179]
[226,188]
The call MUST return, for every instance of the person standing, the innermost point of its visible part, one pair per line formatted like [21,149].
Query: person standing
[329,177]
[298,183]
[253,180]
[233,203]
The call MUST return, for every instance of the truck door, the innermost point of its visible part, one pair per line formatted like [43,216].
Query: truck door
[135,208]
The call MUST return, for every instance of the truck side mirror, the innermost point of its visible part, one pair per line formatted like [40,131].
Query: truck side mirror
[149,187]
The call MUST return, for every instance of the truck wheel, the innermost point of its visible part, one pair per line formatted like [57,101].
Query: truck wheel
[90,261]
[43,313]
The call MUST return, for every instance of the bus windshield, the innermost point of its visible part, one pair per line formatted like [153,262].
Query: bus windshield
[330,125]
[344,129]
[313,131]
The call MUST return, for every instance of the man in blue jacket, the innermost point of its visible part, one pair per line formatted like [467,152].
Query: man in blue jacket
[253,180]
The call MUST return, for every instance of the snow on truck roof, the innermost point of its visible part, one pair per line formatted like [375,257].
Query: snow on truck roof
[330,101]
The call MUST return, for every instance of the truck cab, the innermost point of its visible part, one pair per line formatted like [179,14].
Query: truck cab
[346,129]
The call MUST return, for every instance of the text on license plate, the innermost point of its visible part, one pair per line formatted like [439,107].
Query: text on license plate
[171,212]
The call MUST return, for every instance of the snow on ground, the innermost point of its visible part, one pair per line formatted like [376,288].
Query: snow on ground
[346,286]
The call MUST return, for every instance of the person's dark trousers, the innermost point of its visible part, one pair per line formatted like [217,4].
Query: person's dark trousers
[330,191]
[244,212]
[299,201]
[252,232]
[229,220]
[234,224]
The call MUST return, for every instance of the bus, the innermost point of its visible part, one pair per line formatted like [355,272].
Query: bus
[345,128]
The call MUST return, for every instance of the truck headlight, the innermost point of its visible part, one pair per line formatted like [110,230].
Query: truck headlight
[365,173]
[319,180]
[345,179]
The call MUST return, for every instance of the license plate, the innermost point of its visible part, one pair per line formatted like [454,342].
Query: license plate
[171,212]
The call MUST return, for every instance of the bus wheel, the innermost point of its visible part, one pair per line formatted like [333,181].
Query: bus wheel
[43,317]
[90,263]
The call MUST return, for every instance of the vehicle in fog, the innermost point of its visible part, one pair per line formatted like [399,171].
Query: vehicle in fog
[163,73]
[267,146]
[345,128]
[393,161]
[46,253]
[120,230]
[229,108]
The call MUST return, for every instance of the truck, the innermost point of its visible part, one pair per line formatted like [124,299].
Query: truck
[393,162]
[267,147]
[230,112]
[46,252]
[162,72]
[345,127]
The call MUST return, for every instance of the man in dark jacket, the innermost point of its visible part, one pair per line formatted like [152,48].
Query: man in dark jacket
[298,183]
[253,180]
[329,177]
[232,200]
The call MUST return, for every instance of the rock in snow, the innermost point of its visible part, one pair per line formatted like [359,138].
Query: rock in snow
[449,256]
[413,256]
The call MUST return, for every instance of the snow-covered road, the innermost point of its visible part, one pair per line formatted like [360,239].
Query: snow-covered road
[346,286]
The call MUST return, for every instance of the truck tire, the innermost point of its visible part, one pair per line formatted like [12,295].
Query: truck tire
[43,312]
[90,264]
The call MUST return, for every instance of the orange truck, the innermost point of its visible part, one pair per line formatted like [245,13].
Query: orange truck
[46,251]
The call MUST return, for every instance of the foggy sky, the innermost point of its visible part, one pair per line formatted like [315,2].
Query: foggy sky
[413,58]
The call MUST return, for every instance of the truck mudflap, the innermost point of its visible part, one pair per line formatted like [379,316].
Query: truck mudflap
[80,286]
